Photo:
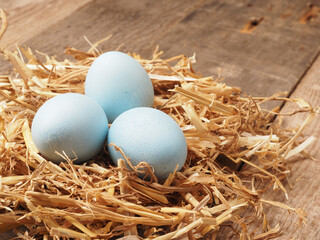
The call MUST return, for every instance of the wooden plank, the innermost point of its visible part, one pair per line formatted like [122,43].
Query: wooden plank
[304,176]
[131,22]
[270,58]
[30,17]
[305,172]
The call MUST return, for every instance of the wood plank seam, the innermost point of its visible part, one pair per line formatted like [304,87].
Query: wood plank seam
[294,87]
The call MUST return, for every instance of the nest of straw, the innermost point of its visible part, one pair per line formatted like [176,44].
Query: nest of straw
[99,200]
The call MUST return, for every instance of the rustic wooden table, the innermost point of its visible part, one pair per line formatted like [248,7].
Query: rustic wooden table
[261,46]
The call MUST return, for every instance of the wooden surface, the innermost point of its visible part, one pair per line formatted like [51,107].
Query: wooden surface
[305,174]
[261,46]
[30,17]
[276,53]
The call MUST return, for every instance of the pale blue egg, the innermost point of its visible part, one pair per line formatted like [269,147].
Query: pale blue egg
[72,123]
[118,83]
[148,135]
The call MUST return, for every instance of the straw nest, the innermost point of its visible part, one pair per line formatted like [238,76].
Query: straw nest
[98,200]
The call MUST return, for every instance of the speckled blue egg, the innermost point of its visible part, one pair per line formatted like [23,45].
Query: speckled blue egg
[118,83]
[72,123]
[148,135]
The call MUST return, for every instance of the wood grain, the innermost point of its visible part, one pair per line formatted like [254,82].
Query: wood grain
[304,175]
[271,58]
[30,17]
[275,54]
[305,172]
[130,22]
[133,23]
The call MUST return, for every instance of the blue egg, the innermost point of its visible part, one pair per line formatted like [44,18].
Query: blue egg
[72,123]
[148,135]
[118,83]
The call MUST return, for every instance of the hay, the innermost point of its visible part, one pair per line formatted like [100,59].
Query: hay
[98,200]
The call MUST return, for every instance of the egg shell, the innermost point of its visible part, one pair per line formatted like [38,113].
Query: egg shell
[118,83]
[148,135]
[73,123]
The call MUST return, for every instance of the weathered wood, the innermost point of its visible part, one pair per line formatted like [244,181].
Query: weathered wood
[130,22]
[305,172]
[271,58]
[28,18]
[304,175]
